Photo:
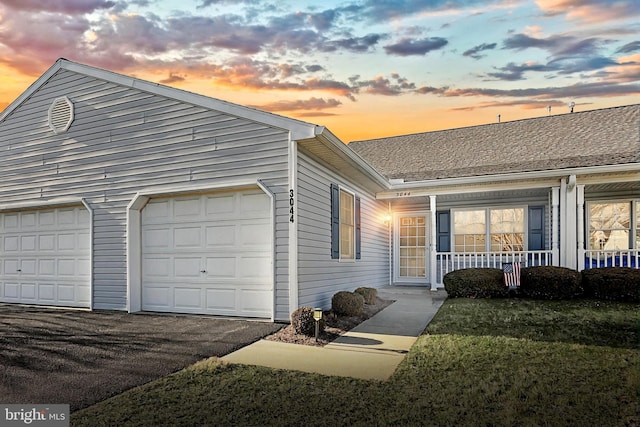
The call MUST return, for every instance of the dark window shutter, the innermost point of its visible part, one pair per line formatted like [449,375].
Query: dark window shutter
[536,228]
[335,221]
[358,232]
[443,231]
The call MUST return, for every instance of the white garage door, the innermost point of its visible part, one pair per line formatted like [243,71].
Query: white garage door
[208,254]
[44,257]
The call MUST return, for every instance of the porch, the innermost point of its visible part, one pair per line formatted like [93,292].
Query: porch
[581,223]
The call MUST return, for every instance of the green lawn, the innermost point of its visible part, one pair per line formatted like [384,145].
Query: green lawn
[479,363]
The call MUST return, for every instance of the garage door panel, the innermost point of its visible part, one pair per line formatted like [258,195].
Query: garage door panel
[255,234]
[157,267]
[187,237]
[67,217]
[219,235]
[47,292]
[188,298]
[10,222]
[223,299]
[11,292]
[221,267]
[11,266]
[28,221]
[158,210]
[11,244]
[46,257]
[187,267]
[66,267]
[254,301]
[28,243]
[254,267]
[28,267]
[46,220]
[67,242]
[47,267]
[157,297]
[219,247]
[28,292]
[158,238]
[187,208]
[83,241]
[215,205]
[47,242]
[254,203]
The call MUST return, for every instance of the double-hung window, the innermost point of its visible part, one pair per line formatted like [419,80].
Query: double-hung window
[611,225]
[489,229]
[345,224]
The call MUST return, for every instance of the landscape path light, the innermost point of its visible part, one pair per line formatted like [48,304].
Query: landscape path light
[317,316]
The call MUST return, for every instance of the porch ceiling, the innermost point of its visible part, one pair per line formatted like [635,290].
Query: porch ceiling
[513,195]
[613,189]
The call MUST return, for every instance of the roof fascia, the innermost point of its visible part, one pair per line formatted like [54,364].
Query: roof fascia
[326,137]
[551,173]
[500,180]
[298,128]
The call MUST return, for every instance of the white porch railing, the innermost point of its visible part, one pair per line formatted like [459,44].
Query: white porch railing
[450,261]
[616,258]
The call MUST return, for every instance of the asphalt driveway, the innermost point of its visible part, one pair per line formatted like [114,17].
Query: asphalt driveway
[80,358]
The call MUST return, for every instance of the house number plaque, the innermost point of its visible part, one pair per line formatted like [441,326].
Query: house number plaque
[292,202]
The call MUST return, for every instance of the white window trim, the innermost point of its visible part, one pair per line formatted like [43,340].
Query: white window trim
[634,220]
[353,211]
[487,225]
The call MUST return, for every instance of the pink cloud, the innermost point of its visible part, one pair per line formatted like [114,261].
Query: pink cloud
[592,10]
[70,7]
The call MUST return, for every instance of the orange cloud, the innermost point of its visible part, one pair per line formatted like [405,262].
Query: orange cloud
[593,11]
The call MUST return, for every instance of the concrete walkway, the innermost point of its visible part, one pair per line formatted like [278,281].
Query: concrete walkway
[372,350]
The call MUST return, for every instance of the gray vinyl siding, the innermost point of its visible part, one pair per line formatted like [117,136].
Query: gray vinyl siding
[319,277]
[123,140]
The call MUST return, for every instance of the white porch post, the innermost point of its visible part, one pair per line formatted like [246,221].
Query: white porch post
[562,215]
[555,230]
[432,244]
[580,225]
[570,241]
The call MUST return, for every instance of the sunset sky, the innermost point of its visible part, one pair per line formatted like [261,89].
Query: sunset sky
[363,68]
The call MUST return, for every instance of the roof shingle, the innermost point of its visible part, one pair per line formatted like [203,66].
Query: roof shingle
[597,137]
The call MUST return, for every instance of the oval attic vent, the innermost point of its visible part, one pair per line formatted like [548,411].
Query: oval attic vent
[60,114]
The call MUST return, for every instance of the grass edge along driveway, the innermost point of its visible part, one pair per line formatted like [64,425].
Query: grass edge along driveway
[480,362]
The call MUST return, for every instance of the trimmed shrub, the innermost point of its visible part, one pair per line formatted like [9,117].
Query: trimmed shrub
[475,283]
[303,322]
[550,283]
[612,283]
[369,294]
[347,304]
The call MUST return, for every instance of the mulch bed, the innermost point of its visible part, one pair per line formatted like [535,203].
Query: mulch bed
[335,326]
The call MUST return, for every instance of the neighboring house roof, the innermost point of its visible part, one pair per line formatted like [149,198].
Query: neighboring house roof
[608,136]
